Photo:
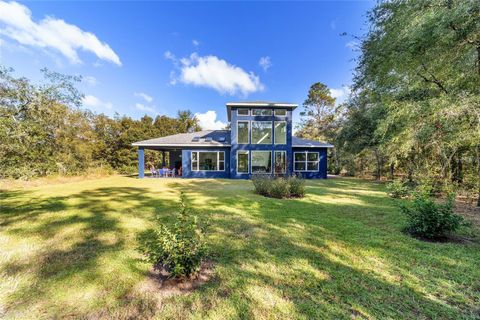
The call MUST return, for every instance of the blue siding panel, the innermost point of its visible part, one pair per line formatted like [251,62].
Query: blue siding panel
[187,164]
[322,168]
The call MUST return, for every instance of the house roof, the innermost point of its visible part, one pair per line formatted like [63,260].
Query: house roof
[304,143]
[214,138]
[259,104]
[205,138]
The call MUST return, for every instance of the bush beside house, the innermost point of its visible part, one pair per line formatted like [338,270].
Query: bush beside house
[279,187]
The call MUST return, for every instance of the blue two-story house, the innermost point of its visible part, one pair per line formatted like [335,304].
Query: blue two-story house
[260,141]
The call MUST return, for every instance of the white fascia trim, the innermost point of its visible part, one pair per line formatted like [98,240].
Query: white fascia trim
[249,104]
[303,146]
[178,145]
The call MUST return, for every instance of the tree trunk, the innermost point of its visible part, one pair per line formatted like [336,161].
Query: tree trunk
[478,175]
[378,170]
[392,170]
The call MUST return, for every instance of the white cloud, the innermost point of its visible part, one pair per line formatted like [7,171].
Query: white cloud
[90,80]
[195,43]
[333,24]
[51,33]
[340,94]
[169,56]
[353,45]
[144,96]
[213,72]
[95,103]
[208,121]
[265,63]
[145,108]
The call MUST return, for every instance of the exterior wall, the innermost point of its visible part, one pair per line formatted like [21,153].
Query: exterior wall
[187,164]
[266,147]
[322,168]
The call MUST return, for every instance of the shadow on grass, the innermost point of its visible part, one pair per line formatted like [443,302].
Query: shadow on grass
[274,257]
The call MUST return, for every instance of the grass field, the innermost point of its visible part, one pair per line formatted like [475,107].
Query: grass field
[69,250]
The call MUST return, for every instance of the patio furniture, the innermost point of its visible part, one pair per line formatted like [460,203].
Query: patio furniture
[153,172]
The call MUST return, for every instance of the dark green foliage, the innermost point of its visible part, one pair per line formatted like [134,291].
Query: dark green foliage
[297,186]
[397,189]
[179,248]
[43,131]
[429,219]
[279,187]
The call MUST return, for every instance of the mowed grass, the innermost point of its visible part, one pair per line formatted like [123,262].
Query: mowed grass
[69,251]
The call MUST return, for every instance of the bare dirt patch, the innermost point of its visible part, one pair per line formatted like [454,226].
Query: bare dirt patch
[468,211]
[158,283]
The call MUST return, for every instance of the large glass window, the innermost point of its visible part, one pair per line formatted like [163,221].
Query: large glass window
[261,132]
[261,161]
[280,112]
[208,161]
[280,132]
[280,161]
[243,132]
[306,161]
[242,112]
[262,112]
[242,161]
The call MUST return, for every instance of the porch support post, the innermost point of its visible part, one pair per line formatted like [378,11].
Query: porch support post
[141,162]
[163,158]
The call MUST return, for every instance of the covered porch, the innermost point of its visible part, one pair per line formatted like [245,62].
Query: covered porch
[159,161]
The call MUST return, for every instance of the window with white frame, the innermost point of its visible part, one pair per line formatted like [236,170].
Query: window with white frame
[280,162]
[280,132]
[242,161]
[261,132]
[262,112]
[261,161]
[243,112]
[306,161]
[243,132]
[280,112]
[208,161]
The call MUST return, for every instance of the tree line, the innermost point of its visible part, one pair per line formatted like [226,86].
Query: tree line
[43,130]
[414,109]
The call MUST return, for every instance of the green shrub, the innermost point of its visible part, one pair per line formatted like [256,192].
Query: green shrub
[179,248]
[279,188]
[397,189]
[269,186]
[297,186]
[261,184]
[431,220]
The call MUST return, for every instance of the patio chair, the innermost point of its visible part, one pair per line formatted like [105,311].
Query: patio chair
[153,172]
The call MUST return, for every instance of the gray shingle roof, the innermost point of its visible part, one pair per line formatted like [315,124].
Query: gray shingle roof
[205,138]
[299,142]
[214,138]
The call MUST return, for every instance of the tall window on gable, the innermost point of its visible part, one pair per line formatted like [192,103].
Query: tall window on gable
[208,161]
[261,132]
[280,132]
[242,161]
[261,161]
[262,112]
[280,162]
[243,132]
[306,161]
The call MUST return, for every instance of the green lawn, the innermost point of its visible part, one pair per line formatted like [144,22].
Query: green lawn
[68,250]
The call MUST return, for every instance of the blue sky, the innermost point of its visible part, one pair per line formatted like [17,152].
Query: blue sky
[161,57]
